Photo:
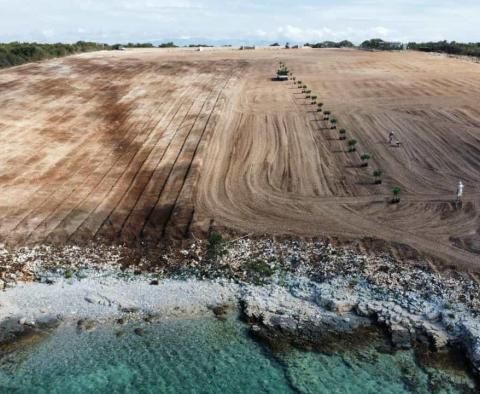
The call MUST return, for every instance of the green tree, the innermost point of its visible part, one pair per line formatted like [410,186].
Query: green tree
[377,174]
[333,123]
[365,158]
[342,133]
[352,145]
[396,195]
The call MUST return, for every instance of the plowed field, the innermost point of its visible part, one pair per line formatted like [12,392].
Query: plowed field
[148,145]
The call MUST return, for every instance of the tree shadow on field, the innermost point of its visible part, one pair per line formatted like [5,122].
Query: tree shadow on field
[354,166]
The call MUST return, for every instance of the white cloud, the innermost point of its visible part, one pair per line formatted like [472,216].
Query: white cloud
[381,32]
[303,20]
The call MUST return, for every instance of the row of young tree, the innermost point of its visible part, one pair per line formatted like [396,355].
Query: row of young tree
[332,124]
[16,53]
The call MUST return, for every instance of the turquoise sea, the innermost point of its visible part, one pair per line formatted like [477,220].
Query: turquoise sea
[208,355]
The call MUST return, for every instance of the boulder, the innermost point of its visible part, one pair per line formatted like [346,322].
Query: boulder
[342,305]
[86,325]
[401,337]
[139,331]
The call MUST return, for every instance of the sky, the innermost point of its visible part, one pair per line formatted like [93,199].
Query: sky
[224,21]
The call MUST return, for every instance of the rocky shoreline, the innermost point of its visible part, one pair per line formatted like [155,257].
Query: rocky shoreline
[290,289]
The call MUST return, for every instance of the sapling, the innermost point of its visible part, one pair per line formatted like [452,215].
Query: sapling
[378,176]
[396,195]
[351,145]
[333,123]
[365,158]
[320,105]
[342,133]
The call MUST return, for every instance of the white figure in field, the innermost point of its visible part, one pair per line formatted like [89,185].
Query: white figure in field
[460,188]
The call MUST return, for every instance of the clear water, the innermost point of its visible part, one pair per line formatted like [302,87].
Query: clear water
[207,355]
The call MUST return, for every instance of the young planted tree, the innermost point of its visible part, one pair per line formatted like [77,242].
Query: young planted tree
[314,100]
[351,145]
[377,174]
[333,123]
[343,134]
[326,115]
[320,105]
[365,158]
[304,88]
[396,195]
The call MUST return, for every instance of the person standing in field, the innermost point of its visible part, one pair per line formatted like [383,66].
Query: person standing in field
[391,137]
[459,193]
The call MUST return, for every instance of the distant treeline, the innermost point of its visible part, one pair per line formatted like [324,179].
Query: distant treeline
[331,44]
[452,48]
[133,45]
[380,45]
[16,53]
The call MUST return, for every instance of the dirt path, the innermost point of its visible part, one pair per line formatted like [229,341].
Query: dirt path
[140,145]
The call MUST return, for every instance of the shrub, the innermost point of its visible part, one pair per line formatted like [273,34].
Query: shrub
[216,246]
[342,133]
[260,267]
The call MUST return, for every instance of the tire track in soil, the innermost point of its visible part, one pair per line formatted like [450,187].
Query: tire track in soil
[113,223]
[88,216]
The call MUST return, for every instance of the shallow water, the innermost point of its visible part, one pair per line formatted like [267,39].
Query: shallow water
[207,355]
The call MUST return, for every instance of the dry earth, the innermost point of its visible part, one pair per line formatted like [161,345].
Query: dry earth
[144,145]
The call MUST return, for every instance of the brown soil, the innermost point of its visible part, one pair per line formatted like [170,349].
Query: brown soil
[148,145]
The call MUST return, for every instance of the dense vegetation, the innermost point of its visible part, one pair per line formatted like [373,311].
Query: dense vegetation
[331,44]
[453,48]
[379,44]
[199,46]
[167,45]
[16,53]
[134,45]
